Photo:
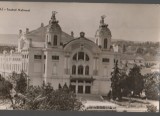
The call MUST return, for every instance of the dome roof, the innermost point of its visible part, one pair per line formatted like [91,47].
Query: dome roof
[54,27]
[53,24]
[103,31]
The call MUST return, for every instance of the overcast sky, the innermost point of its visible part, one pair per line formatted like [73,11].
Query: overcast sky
[137,22]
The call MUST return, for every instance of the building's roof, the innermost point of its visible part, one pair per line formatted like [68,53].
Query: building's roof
[151,58]
[8,39]
[38,35]
[78,39]
[130,57]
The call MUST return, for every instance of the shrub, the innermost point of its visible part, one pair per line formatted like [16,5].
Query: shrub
[151,108]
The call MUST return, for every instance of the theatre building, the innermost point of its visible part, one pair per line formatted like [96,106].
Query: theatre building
[48,54]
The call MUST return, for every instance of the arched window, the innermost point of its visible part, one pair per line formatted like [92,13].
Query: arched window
[105,43]
[47,39]
[55,40]
[87,57]
[87,70]
[75,57]
[80,55]
[80,70]
[73,69]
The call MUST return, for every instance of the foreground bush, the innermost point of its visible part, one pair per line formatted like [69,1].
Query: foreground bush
[45,98]
[152,86]
[151,108]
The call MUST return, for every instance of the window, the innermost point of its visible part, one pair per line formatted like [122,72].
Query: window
[55,40]
[80,89]
[80,81]
[88,89]
[89,82]
[55,57]
[73,69]
[87,57]
[73,88]
[44,56]
[105,60]
[37,57]
[105,43]
[73,81]
[80,70]
[87,70]
[47,39]
[80,55]
[75,57]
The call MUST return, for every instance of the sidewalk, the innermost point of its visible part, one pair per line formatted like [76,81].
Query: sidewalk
[153,102]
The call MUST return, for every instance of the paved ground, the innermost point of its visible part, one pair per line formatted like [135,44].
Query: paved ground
[97,101]
[139,106]
[5,105]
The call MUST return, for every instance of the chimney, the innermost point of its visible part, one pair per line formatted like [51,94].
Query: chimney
[42,24]
[20,32]
[27,30]
[72,33]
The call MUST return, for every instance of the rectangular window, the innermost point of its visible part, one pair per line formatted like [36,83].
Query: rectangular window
[88,81]
[80,89]
[80,81]
[37,57]
[44,56]
[55,40]
[105,60]
[88,89]
[55,57]
[73,81]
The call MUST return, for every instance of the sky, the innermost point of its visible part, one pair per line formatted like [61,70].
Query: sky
[135,22]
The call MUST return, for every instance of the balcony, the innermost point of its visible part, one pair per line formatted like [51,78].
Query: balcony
[81,77]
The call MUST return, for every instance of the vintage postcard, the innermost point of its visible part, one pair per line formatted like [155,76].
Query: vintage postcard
[79,56]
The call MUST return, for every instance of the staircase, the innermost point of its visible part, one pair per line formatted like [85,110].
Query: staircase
[89,97]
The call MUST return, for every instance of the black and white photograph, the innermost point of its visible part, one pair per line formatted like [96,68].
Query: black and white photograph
[96,57]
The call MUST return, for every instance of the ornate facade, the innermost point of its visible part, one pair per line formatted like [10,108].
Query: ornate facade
[48,54]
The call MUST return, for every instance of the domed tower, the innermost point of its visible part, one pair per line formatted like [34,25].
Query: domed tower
[53,35]
[103,35]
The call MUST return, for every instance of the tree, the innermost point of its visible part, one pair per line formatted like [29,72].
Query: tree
[124,48]
[116,82]
[152,86]
[5,89]
[19,81]
[39,97]
[135,79]
[45,98]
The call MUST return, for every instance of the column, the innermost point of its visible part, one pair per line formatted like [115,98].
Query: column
[84,87]
[65,62]
[94,64]
[76,86]
[68,67]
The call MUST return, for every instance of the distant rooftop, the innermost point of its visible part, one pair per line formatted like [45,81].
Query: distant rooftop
[8,39]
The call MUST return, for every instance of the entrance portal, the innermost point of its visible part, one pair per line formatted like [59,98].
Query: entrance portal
[81,86]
